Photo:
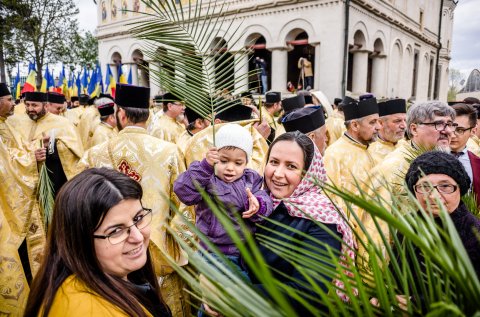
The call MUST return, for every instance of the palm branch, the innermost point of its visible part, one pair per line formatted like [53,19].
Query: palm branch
[445,279]
[45,194]
[194,64]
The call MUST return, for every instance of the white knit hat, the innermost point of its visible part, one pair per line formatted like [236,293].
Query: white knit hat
[232,134]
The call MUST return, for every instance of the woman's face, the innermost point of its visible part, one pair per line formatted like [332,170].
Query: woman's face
[429,200]
[130,255]
[283,171]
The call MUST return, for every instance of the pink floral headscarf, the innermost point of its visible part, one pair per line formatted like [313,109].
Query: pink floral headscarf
[308,201]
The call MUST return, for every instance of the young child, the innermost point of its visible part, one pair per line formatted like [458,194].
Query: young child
[223,174]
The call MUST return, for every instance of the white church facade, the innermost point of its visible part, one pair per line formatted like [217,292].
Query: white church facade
[392,48]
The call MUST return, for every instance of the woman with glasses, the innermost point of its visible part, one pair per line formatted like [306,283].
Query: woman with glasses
[438,180]
[97,261]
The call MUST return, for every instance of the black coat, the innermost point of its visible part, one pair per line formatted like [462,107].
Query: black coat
[280,214]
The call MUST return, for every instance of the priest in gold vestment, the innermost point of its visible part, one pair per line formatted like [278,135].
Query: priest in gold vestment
[65,148]
[7,109]
[429,126]
[392,128]
[155,164]
[170,125]
[107,128]
[22,235]
[336,122]
[196,123]
[79,104]
[272,106]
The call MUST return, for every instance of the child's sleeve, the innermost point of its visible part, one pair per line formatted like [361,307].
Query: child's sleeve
[197,174]
[266,203]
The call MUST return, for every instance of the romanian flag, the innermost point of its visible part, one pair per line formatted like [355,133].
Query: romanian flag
[30,83]
[43,87]
[84,81]
[121,76]
[100,87]
[78,87]
[16,84]
[110,82]
[62,84]
[93,85]
[130,76]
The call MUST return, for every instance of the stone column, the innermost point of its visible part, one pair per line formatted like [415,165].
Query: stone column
[154,84]
[360,71]
[134,67]
[316,70]
[279,68]
[241,73]
[378,76]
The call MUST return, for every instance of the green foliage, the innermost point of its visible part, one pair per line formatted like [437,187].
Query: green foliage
[45,195]
[445,278]
[194,53]
[84,49]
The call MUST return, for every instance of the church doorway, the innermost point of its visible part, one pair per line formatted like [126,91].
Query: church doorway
[259,51]
[301,49]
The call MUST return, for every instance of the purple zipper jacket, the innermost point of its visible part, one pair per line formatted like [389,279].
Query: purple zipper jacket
[232,195]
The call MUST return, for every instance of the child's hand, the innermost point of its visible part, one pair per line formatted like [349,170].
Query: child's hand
[253,205]
[212,156]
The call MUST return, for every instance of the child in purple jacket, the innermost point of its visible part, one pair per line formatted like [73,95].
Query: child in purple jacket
[223,174]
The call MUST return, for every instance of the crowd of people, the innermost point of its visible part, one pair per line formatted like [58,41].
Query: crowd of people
[128,172]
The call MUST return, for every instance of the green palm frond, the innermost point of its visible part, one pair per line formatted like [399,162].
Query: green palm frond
[45,195]
[445,279]
[193,44]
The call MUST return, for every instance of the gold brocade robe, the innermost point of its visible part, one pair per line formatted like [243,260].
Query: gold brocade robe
[155,164]
[155,112]
[473,145]
[347,163]
[19,219]
[75,114]
[199,144]
[167,129]
[89,120]
[273,123]
[387,178]
[9,135]
[69,147]
[335,129]
[20,109]
[183,140]
[379,149]
[103,132]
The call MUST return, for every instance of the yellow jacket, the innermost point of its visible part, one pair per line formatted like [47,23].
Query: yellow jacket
[379,149]
[74,299]
[167,129]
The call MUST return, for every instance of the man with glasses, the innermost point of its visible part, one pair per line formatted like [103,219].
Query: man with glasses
[430,125]
[466,120]
[170,125]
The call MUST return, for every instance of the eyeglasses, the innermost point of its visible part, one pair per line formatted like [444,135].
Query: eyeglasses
[141,221]
[440,125]
[426,188]
[461,131]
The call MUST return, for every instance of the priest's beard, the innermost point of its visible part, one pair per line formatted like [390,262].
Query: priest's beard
[119,126]
[35,116]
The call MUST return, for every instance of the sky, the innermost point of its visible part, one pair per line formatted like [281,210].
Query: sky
[87,18]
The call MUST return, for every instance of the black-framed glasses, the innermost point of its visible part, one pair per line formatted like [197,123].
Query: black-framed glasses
[461,131]
[426,188]
[120,234]
[440,125]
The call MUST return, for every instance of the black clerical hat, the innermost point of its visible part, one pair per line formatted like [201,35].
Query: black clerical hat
[36,96]
[337,101]
[392,106]
[192,115]
[305,120]
[273,97]
[83,99]
[4,91]
[347,100]
[74,98]
[54,97]
[130,96]
[292,103]
[363,108]
[235,111]
[102,95]
[170,98]
[106,109]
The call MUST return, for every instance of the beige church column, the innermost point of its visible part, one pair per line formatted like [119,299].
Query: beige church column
[279,68]
[154,85]
[378,76]
[241,73]
[316,71]
[134,67]
[360,71]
